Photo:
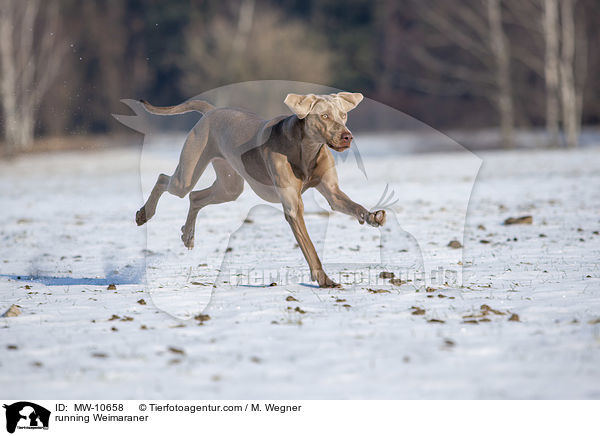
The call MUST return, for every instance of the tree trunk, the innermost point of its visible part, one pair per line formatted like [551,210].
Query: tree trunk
[501,54]
[25,129]
[27,67]
[567,65]
[551,70]
[391,34]
[8,82]
[238,46]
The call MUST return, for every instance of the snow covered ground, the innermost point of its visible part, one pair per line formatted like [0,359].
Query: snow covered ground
[68,232]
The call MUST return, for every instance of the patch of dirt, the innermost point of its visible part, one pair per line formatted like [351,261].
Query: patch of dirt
[176,350]
[454,244]
[386,275]
[486,309]
[482,316]
[377,291]
[527,219]
[100,355]
[13,310]
[417,310]
[290,298]
[202,317]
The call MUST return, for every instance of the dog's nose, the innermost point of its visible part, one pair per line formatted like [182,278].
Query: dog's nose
[347,137]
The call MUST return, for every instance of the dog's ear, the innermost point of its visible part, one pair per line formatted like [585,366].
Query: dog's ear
[348,100]
[301,105]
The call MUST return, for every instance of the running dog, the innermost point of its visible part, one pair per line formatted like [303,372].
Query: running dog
[279,158]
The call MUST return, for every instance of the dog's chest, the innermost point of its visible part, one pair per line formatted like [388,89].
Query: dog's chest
[307,163]
[308,177]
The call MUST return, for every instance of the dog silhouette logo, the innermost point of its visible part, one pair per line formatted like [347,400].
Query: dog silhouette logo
[26,415]
[405,241]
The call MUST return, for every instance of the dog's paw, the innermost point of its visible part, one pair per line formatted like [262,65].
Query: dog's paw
[187,236]
[376,219]
[324,281]
[140,216]
[329,284]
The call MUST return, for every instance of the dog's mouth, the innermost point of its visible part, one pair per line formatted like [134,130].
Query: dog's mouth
[338,148]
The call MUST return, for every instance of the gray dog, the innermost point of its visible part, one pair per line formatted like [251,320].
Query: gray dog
[280,159]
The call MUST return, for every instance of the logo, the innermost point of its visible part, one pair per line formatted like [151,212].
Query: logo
[406,251]
[26,415]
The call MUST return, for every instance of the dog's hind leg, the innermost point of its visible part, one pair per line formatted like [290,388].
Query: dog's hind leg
[147,210]
[192,163]
[196,154]
[227,187]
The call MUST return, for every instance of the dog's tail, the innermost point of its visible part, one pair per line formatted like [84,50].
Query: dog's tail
[188,106]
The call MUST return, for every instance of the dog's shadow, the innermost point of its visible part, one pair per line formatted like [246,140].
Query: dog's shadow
[127,275]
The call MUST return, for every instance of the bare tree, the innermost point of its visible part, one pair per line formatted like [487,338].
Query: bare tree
[502,67]
[551,69]
[233,64]
[390,49]
[250,45]
[30,59]
[569,92]
[562,63]
[475,29]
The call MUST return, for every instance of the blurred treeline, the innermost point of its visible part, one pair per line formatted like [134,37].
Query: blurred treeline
[64,64]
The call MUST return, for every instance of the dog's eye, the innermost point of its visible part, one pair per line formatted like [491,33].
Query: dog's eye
[324,116]
[343,115]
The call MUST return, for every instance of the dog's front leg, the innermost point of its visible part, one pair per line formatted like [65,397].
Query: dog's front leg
[341,202]
[289,190]
[327,184]
[293,209]
[294,215]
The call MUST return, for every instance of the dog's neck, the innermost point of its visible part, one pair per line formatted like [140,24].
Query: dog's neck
[294,131]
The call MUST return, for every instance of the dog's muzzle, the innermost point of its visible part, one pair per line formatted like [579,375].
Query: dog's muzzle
[343,143]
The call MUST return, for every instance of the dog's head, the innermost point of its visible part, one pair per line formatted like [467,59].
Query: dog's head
[325,116]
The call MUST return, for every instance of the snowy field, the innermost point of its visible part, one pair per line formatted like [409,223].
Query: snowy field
[110,310]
